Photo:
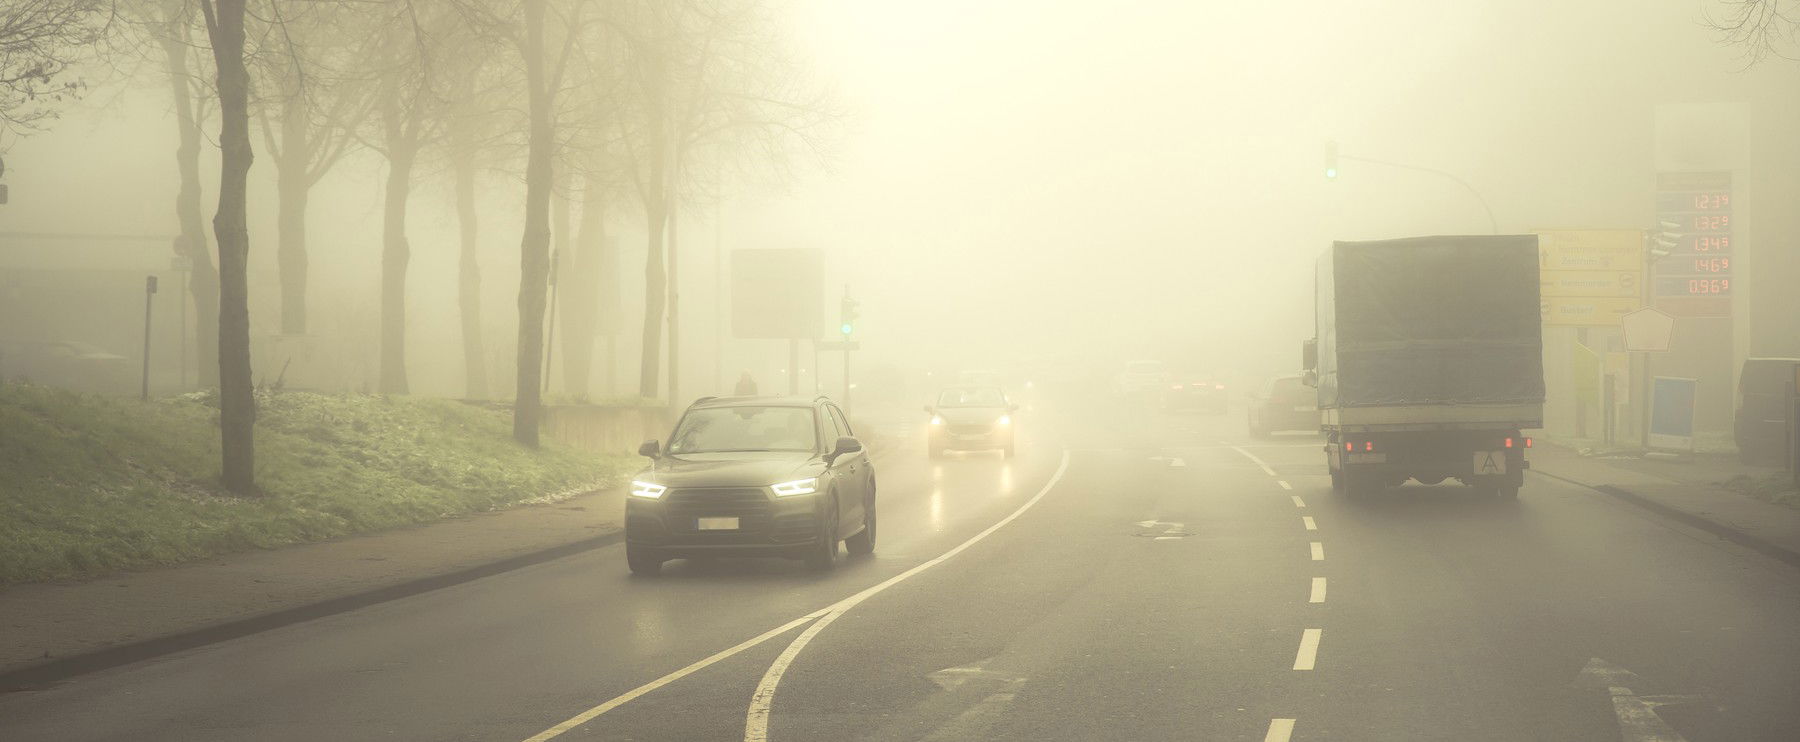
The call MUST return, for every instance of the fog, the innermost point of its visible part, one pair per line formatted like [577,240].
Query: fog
[1015,184]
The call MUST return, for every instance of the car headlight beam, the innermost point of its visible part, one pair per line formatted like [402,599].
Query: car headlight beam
[1006,419]
[650,490]
[805,486]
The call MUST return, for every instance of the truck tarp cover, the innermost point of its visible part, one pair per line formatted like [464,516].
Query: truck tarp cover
[1430,320]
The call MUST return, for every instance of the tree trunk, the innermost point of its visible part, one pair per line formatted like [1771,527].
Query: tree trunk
[534,248]
[655,300]
[395,255]
[291,188]
[674,302]
[203,279]
[468,288]
[237,403]
[578,293]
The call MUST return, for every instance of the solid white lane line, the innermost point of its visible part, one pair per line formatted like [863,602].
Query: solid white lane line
[1284,484]
[1309,649]
[1299,503]
[1252,457]
[756,718]
[1279,730]
[1310,525]
[589,715]
[1318,550]
[1318,591]
[827,612]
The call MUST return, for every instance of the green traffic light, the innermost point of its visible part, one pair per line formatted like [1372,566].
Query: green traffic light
[845,328]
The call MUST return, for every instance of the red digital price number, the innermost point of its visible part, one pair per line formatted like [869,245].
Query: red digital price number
[1711,222]
[1712,265]
[1709,285]
[1716,243]
[1711,201]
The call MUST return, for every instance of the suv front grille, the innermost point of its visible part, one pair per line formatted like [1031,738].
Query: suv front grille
[748,504]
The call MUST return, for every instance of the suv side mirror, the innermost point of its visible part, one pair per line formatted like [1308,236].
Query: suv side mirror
[1309,354]
[845,445]
[650,448]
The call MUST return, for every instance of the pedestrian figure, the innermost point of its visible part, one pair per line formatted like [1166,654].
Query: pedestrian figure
[746,386]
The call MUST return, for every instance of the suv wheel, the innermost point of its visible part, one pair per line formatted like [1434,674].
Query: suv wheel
[642,561]
[863,544]
[822,555]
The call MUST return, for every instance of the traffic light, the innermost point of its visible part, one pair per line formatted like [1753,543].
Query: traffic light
[1331,160]
[847,315]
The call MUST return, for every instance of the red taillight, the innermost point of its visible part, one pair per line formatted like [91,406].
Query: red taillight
[1528,443]
[1509,442]
[1368,445]
[1348,446]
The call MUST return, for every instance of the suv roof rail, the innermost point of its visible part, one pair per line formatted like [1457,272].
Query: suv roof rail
[699,400]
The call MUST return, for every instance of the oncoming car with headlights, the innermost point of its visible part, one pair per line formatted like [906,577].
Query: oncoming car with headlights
[971,418]
[752,476]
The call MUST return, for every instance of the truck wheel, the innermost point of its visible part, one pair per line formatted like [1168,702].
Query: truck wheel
[1507,491]
[1337,481]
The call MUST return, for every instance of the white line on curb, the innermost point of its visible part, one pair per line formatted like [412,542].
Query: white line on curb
[1309,649]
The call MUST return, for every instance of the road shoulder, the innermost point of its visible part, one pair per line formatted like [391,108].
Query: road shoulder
[1692,495]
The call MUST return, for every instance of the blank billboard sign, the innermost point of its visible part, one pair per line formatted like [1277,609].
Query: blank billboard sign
[777,294]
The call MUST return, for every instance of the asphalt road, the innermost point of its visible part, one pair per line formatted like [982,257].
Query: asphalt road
[1133,574]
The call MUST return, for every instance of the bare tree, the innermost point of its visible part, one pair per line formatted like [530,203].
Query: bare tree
[237,403]
[1762,28]
[40,40]
[313,106]
[173,29]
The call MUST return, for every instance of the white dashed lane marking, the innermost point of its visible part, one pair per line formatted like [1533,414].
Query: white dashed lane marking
[1308,521]
[1299,503]
[1318,551]
[1284,484]
[1279,730]
[1318,591]
[1309,649]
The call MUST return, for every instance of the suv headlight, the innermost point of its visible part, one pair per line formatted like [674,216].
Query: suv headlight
[805,486]
[651,490]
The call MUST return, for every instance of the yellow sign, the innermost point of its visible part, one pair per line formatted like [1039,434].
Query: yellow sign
[1591,249]
[1576,311]
[1627,284]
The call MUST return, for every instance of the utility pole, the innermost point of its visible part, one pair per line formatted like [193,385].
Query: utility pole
[149,292]
[847,315]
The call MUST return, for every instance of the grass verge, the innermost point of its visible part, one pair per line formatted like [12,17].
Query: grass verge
[1776,488]
[92,484]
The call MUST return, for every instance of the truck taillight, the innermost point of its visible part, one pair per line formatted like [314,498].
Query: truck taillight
[1348,446]
[1528,443]
[1368,445]
[1509,442]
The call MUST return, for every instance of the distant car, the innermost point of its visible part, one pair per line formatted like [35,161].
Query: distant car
[1284,404]
[1765,402]
[69,364]
[752,476]
[1140,378]
[1195,393]
[971,418]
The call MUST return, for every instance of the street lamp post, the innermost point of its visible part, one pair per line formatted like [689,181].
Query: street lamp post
[1331,173]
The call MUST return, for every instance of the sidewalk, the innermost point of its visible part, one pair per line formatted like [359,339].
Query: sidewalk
[79,623]
[1688,488]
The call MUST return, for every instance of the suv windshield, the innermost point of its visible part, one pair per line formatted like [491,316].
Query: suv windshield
[972,397]
[718,429]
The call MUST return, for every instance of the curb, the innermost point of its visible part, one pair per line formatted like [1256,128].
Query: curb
[1766,548]
[33,677]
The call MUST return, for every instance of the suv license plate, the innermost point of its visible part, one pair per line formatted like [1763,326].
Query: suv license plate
[718,524]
